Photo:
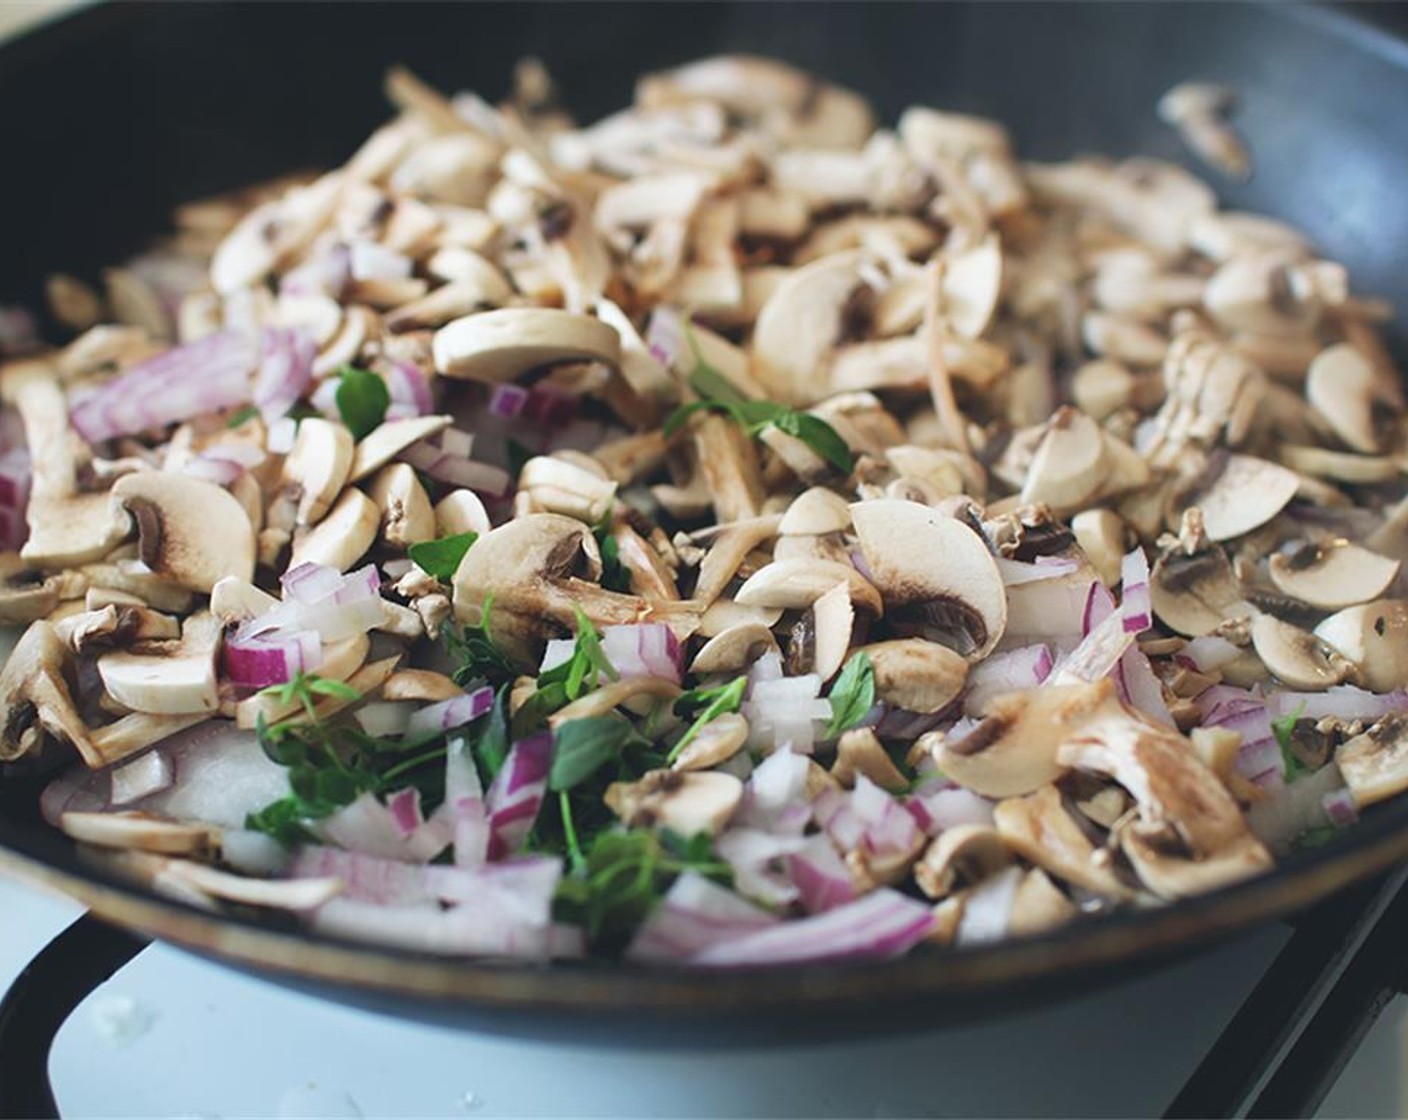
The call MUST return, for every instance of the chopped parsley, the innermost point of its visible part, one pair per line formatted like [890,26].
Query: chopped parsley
[852,695]
[440,558]
[362,400]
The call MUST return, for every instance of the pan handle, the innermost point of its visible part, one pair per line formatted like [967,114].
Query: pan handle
[42,998]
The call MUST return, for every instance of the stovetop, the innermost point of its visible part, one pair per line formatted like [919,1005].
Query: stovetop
[174,1035]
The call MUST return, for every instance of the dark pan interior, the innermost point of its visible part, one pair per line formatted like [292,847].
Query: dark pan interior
[116,114]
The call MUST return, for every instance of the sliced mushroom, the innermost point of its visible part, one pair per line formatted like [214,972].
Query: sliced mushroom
[814,512]
[961,856]
[1343,387]
[1013,750]
[406,516]
[167,678]
[341,538]
[797,584]
[800,325]
[499,345]
[461,511]
[1246,494]
[35,697]
[190,532]
[734,649]
[1194,592]
[1039,828]
[1296,656]
[1102,536]
[916,675]
[859,752]
[141,831]
[318,465]
[342,660]
[1374,638]
[424,685]
[684,803]
[1069,467]
[27,594]
[387,440]
[1038,906]
[1375,764]
[1334,575]
[935,574]
[715,743]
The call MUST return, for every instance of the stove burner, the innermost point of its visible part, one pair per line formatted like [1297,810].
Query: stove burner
[1279,1056]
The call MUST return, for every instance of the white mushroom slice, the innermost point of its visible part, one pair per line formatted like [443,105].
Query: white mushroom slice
[406,516]
[728,465]
[639,203]
[935,574]
[797,584]
[1343,387]
[318,465]
[35,697]
[734,648]
[1246,494]
[1375,764]
[299,895]
[387,440]
[235,600]
[1013,749]
[684,803]
[1122,339]
[167,678]
[1374,637]
[554,485]
[1038,906]
[1194,593]
[654,691]
[961,856]
[814,512]
[1342,466]
[1039,828]
[640,369]
[114,742]
[1069,466]
[1296,656]
[190,531]
[1189,836]
[461,511]
[358,325]
[1102,536]
[859,753]
[715,743]
[443,305]
[1332,576]
[832,623]
[341,538]
[727,553]
[425,685]
[801,324]
[773,213]
[972,283]
[499,345]
[916,675]
[115,626]
[140,831]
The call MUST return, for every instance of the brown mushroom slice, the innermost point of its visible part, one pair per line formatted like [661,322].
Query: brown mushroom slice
[341,538]
[1013,749]
[1332,576]
[425,685]
[733,543]
[499,345]
[406,515]
[25,593]
[35,697]
[814,512]
[734,649]
[859,752]
[600,701]
[728,464]
[1039,828]
[686,804]
[133,733]
[1193,593]
[1296,656]
[1038,906]
[961,856]
[529,566]
[1189,836]
[800,325]
[387,440]
[1374,637]
[972,283]
[190,531]
[461,511]
[114,625]
[1069,466]
[1343,387]
[935,574]
[1374,764]
[797,584]
[1246,494]
[167,678]
[714,743]
[140,831]
[916,675]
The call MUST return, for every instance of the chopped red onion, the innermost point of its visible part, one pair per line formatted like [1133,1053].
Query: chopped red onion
[409,390]
[1210,653]
[335,609]
[1340,807]
[665,338]
[282,434]
[1259,758]
[883,923]
[756,860]
[867,818]
[370,828]
[1141,687]
[454,712]
[457,470]
[1099,605]
[324,272]
[145,775]
[517,793]
[464,804]
[947,808]
[694,914]
[823,881]
[775,798]
[1014,671]
[1294,808]
[405,810]
[16,474]
[648,649]
[506,400]
[784,711]
[1136,606]
[201,377]
[261,660]
[385,882]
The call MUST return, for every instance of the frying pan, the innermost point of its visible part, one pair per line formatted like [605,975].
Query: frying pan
[114,115]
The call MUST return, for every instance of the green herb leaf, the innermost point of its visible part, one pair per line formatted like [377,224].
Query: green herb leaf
[362,400]
[1318,837]
[851,696]
[614,575]
[581,747]
[493,744]
[473,649]
[710,704]
[321,686]
[241,415]
[1284,728]
[441,558]
[820,436]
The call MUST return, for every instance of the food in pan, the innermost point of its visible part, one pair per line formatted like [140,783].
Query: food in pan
[729,533]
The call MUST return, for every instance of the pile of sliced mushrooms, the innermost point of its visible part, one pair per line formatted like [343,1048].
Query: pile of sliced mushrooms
[1120,541]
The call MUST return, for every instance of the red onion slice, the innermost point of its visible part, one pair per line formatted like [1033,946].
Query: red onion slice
[454,712]
[517,794]
[285,371]
[1136,606]
[695,914]
[648,649]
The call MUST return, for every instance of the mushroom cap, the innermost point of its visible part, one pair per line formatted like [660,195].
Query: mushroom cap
[167,678]
[318,463]
[1246,494]
[1014,749]
[734,648]
[797,584]
[1375,764]
[341,538]
[1296,656]
[934,573]
[686,803]
[1343,387]
[499,345]
[388,439]
[1374,637]
[961,855]
[801,324]
[916,675]
[1039,828]
[190,531]
[1332,576]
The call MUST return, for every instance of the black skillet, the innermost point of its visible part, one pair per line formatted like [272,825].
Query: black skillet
[113,115]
